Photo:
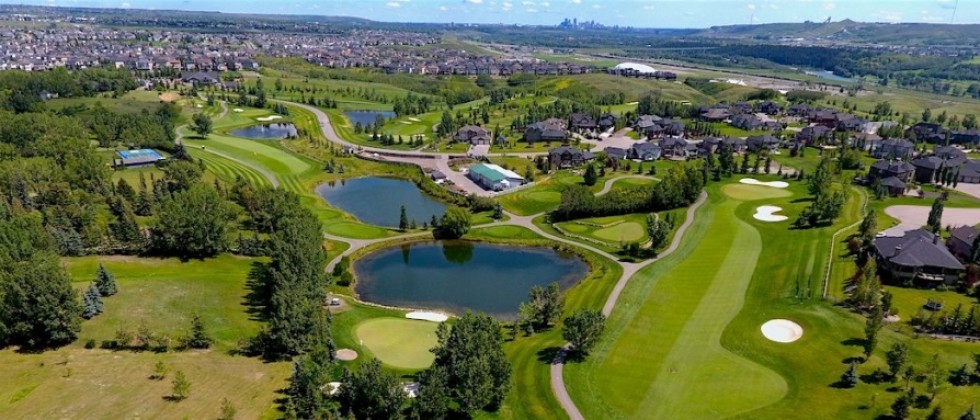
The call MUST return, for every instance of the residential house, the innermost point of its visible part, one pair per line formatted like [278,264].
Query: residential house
[969,172]
[926,168]
[765,142]
[472,134]
[961,241]
[582,122]
[891,168]
[493,177]
[928,132]
[716,114]
[919,256]
[894,149]
[814,135]
[645,151]
[606,122]
[568,157]
[969,138]
[769,108]
[616,153]
[747,122]
[675,148]
[548,130]
[199,78]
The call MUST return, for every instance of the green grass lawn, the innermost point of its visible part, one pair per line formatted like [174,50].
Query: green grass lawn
[133,101]
[749,192]
[399,342]
[161,294]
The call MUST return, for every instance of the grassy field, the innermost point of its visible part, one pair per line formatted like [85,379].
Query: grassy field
[134,101]
[399,342]
[161,294]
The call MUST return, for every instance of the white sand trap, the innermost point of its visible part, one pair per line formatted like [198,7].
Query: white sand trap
[782,330]
[406,122]
[774,184]
[413,119]
[346,355]
[269,118]
[333,388]
[238,110]
[427,316]
[200,106]
[765,214]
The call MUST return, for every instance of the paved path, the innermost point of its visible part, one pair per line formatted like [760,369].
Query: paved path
[609,182]
[970,189]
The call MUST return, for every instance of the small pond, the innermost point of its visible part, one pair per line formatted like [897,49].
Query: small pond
[457,276]
[378,200]
[829,75]
[265,131]
[367,117]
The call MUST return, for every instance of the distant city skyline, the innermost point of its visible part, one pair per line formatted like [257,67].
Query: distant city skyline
[636,13]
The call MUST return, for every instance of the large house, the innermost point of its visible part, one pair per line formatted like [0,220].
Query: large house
[892,174]
[568,157]
[893,149]
[582,122]
[926,168]
[472,134]
[645,151]
[548,130]
[816,134]
[652,126]
[760,143]
[606,121]
[677,148]
[961,240]
[494,177]
[918,256]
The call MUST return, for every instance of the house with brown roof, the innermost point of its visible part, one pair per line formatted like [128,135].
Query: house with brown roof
[472,134]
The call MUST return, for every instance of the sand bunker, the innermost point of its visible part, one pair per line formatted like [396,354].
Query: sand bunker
[782,330]
[333,388]
[411,389]
[413,119]
[346,355]
[199,106]
[427,316]
[269,118]
[765,214]
[238,110]
[774,184]
[169,97]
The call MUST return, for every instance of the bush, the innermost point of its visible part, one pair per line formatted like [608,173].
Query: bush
[345,279]
[90,344]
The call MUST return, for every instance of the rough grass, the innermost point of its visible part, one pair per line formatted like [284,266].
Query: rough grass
[399,342]
[161,294]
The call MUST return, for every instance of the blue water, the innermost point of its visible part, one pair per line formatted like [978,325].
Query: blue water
[367,117]
[378,200]
[460,276]
[829,75]
[265,131]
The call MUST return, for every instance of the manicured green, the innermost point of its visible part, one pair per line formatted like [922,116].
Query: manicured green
[747,192]
[399,342]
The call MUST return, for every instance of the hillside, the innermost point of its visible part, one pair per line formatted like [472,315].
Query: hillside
[849,30]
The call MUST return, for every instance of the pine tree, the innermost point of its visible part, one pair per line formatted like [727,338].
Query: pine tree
[403,220]
[180,387]
[590,177]
[850,377]
[106,282]
[91,302]
[198,338]
[970,414]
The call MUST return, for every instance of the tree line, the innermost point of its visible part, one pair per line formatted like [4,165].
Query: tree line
[680,187]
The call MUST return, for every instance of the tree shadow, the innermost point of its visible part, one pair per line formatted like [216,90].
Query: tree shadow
[876,377]
[853,342]
[922,402]
[173,398]
[547,355]
[259,291]
[852,359]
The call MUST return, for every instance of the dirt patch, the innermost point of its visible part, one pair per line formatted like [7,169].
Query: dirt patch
[169,96]
[346,355]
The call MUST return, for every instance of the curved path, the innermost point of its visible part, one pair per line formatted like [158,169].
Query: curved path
[610,182]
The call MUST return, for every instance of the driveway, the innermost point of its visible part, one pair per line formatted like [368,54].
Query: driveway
[971,189]
[914,217]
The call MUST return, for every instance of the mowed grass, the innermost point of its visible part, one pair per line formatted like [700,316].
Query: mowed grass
[399,342]
[661,353]
[747,192]
[163,295]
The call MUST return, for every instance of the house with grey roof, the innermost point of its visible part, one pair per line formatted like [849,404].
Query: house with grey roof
[961,240]
[919,256]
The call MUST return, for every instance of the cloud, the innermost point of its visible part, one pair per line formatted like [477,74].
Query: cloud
[648,7]
[596,6]
[829,6]
[773,6]
[545,4]
[393,4]
[750,6]
[443,8]
[889,16]
[474,1]
[577,1]
[507,6]
[531,10]
[528,3]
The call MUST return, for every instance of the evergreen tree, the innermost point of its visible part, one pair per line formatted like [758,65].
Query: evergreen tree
[970,414]
[311,373]
[896,357]
[105,281]
[38,307]
[961,376]
[180,387]
[433,396]
[91,302]
[198,337]
[454,224]
[935,414]
[850,377]
[590,176]
[901,406]
[403,220]
[473,357]
[936,215]
[371,393]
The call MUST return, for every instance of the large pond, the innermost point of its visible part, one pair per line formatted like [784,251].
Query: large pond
[265,131]
[367,117]
[378,200]
[460,276]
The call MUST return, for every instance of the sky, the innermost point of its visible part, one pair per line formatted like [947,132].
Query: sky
[636,13]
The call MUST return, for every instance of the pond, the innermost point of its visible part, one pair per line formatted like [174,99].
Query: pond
[827,74]
[265,131]
[367,117]
[460,276]
[378,200]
